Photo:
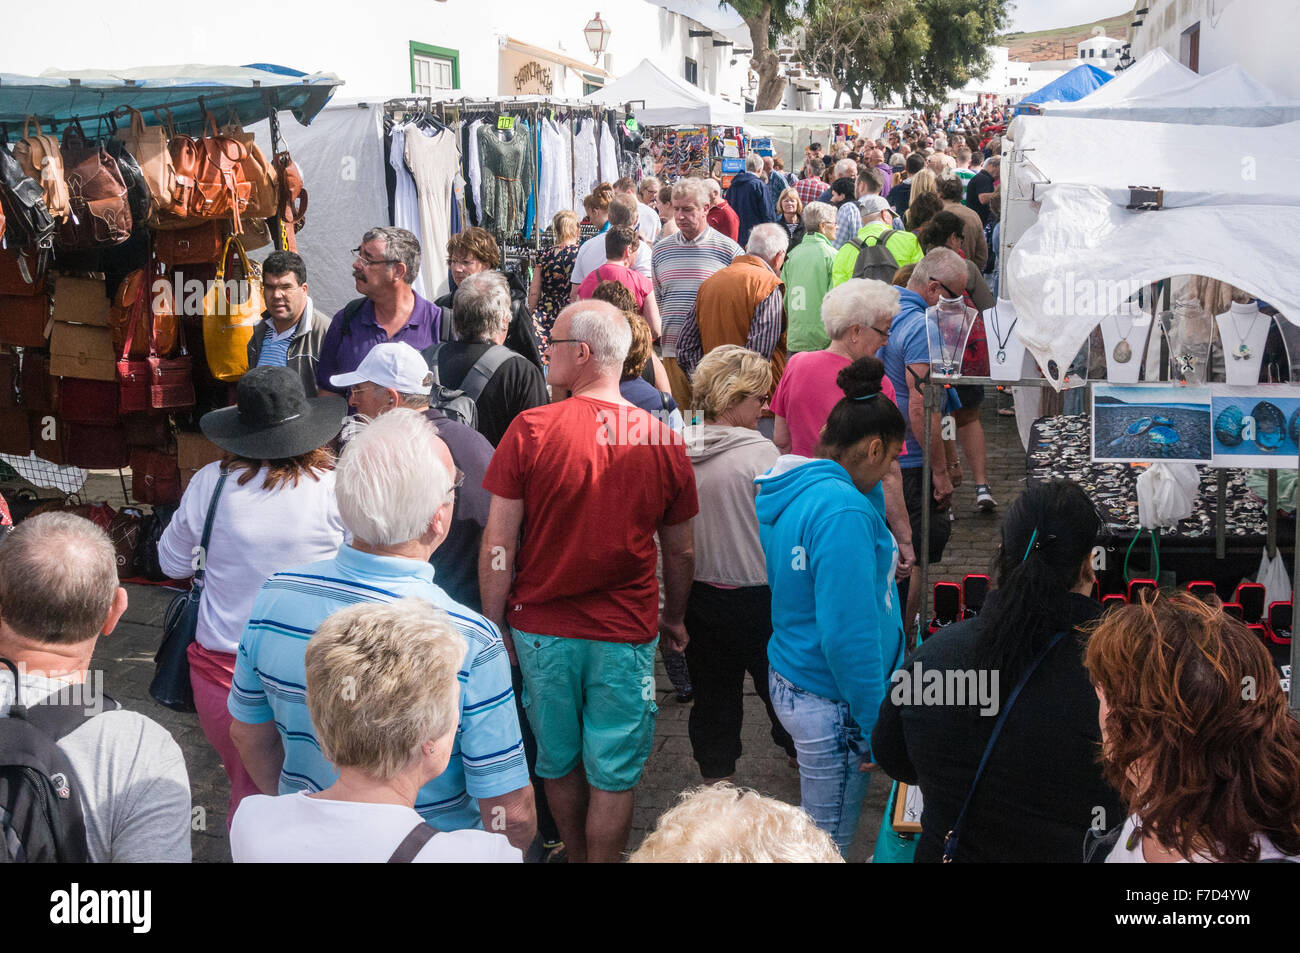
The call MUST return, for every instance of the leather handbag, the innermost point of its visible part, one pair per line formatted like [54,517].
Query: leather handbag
[264,192]
[200,243]
[25,320]
[29,229]
[146,553]
[291,214]
[227,324]
[95,448]
[132,372]
[138,198]
[45,433]
[41,160]
[15,432]
[171,685]
[124,534]
[155,477]
[89,402]
[101,214]
[171,382]
[123,319]
[148,144]
[79,350]
[220,187]
[150,431]
[81,301]
[38,388]
[12,279]
[8,379]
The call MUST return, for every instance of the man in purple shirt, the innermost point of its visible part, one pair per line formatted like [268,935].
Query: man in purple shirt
[386,264]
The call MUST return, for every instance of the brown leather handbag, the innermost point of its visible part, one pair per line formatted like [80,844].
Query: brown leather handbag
[100,212]
[24,320]
[38,389]
[12,280]
[220,186]
[155,477]
[292,212]
[95,448]
[15,432]
[264,194]
[132,347]
[8,379]
[197,244]
[148,144]
[39,156]
[151,431]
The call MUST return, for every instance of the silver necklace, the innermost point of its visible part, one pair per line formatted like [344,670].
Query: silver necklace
[997,334]
[1123,351]
[1242,352]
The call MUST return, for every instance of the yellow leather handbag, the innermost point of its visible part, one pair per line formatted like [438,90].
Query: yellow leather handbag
[231,310]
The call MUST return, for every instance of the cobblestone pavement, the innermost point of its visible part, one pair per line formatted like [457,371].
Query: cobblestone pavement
[126,658]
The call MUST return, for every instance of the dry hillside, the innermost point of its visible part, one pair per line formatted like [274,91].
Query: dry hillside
[1062,42]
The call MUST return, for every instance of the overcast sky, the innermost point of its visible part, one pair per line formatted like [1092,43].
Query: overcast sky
[1029,16]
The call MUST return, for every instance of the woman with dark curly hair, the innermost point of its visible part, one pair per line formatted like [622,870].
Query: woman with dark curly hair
[1195,735]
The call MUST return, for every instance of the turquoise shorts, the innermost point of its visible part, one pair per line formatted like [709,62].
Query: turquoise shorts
[590,703]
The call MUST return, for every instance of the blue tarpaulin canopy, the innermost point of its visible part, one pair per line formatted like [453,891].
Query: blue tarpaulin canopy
[1071,87]
[58,96]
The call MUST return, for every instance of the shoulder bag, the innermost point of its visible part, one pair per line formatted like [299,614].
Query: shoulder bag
[171,686]
[950,842]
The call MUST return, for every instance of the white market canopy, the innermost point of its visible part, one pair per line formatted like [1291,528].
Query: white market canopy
[1155,74]
[1232,209]
[870,122]
[669,101]
[1227,97]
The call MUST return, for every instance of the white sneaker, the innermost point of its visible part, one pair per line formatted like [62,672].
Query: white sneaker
[984,499]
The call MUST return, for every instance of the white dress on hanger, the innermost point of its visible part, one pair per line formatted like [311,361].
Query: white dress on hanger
[406,200]
[434,163]
[557,176]
[586,176]
[475,173]
[608,155]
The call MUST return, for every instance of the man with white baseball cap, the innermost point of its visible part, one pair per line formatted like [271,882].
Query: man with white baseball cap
[388,375]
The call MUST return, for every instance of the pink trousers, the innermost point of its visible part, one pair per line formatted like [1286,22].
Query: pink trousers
[210,674]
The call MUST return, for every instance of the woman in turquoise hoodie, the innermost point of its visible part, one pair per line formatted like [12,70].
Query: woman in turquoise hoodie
[837,630]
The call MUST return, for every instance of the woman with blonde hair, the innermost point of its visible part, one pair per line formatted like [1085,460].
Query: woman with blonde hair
[1195,736]
[729,611]
[923,183]
[790,207]
[269,504]
[548,292]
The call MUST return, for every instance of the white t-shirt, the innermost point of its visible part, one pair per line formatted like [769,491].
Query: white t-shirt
[592,255]
[1121,853]
[296,828]
[647,223]
[249,542]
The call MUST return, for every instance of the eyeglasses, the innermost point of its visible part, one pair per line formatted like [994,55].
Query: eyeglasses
[567,341]
[458,480]
[361,388]
[463,262]
[951,293]
[368,262]
[883,333]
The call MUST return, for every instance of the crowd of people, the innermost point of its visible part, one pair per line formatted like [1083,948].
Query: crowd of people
[447,540]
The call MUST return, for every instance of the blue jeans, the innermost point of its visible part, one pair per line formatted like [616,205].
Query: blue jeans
[830,749]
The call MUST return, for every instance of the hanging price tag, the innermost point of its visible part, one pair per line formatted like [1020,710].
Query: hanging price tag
[632,124]
[505,122]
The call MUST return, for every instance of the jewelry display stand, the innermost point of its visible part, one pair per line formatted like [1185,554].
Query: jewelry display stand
[1008,358]
[1125,337]
[1243,330]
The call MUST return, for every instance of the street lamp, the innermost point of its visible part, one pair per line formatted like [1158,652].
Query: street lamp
[597,33]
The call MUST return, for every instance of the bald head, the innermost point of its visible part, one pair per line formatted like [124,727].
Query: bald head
[597,338]
[58,579]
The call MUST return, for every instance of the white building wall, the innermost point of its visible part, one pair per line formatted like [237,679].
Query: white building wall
[1260,35]
[370,53]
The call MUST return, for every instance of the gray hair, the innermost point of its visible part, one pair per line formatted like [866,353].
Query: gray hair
[58,578]
[992,162]
[846,169]
[604,329]
[767,241]
[753,162]
[939,264]
[816,214]
[862,301]
[481,307]
[390,479]
[696,190]
[401,245]
[714,187]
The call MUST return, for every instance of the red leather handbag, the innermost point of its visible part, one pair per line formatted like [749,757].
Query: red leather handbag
[15,432]
[37,387]
[24,320]
[12,280]
[95,448]
[132,374]
[171,382]
[155,477]
[89,402]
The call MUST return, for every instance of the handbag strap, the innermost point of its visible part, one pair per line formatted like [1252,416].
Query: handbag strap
[950,842]
[136,307]
[207,532]
[412,843]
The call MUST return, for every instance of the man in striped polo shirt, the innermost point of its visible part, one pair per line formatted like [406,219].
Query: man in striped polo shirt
[395,491]
[681,262]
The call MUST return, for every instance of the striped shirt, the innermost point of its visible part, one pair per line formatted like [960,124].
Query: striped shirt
[275,346]
[680,267]
[270,681]
[847,222]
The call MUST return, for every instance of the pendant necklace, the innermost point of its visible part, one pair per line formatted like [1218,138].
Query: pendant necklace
[999,337]
[1242,352]
[1123,351]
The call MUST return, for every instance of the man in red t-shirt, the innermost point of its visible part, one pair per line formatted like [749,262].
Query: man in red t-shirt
[579,489]
[722,216]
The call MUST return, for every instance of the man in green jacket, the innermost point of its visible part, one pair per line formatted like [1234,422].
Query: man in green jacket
[807,277]
[877,217]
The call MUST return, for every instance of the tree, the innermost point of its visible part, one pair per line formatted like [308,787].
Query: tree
[924,48]
[836,36]
[766,20]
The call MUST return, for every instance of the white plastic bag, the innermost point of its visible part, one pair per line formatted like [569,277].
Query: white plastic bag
[1274,578]
[1166,494]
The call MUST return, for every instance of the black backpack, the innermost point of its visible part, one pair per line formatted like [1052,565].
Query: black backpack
[28,226]
[41,817]
[875,260]
[463,403]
